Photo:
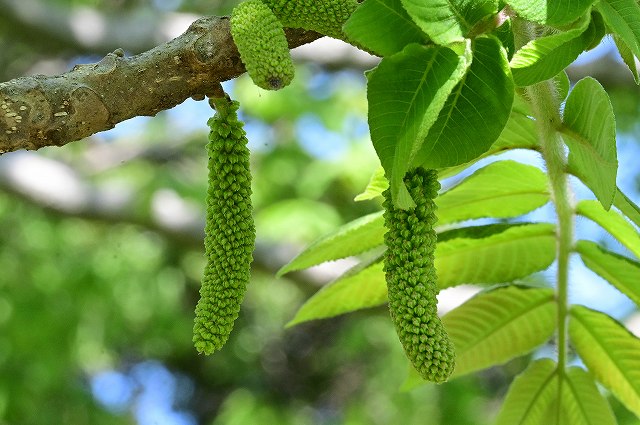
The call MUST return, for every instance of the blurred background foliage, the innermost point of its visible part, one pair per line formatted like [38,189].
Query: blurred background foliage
[101,249]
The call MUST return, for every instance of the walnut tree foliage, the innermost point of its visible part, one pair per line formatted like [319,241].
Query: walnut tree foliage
[230,232]
[460,81]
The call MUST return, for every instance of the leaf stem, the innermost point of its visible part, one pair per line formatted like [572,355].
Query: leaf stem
[543,99]
[545,102]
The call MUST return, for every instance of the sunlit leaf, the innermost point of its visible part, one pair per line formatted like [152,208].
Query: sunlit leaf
[623,18]
[519,250]
[627,57]
[550,12]
[532,395]
[406,92]
[589,129]
[394,29]
[498,325]
[449,21]
[362,287]
[543,58]
[621,272]
[612,222]
[627,207]
[377,184]
[514,252]
[581,402]
[610,352]
[501,189]
[353,238]
[518,133]
[475,113]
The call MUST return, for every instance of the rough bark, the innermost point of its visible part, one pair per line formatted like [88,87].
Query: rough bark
[40,111]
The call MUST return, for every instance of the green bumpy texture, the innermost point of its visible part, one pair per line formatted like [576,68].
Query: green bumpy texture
[324,16]
[257,30]
[411,278]
[229,231]
[259,37]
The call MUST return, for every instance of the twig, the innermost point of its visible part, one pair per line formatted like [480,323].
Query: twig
[40,111]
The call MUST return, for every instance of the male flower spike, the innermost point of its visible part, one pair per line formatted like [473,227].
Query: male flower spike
[229,231]
[257,30]
[263,47]
[411,278]
[324,16]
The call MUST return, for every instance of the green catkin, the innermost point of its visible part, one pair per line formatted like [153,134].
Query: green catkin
[324,16]
[257,30]
[411,278]
[262,44]
[229,231]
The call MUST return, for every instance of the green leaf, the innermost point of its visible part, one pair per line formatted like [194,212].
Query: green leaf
[543,58]
[582,403]
[449,21]
[519,250]
[475,113]
[377,184]
[476,232]
[512,253]
[353,238]
[518,182]
[620,271]
[610,352]
[505,34]
[501,189]
[589,129]
[383,27]
[623,18]
[518,133]
[362,287]
[550,12]
[498,325]
[627,207]
[406,92]
[627,57]
[531,396]
[612,222]
[599,32]
[521,185]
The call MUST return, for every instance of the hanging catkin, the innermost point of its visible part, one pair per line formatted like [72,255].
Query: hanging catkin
[257,27]
[324,16]
[229,231]
[411,277]
[263,48]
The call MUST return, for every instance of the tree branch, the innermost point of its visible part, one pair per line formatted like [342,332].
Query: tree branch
[40,111]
